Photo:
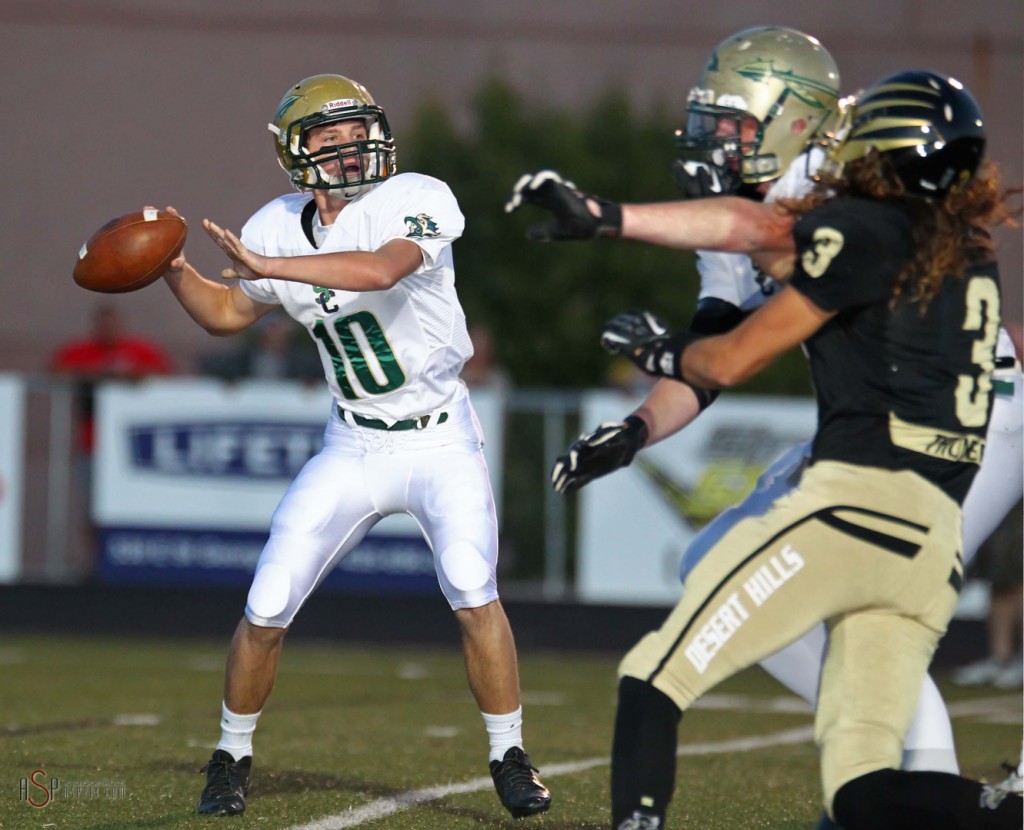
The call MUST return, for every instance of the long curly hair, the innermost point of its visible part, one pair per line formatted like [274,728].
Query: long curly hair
[949,234]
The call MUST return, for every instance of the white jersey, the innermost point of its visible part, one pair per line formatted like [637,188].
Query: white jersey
[392,354]
[733,277]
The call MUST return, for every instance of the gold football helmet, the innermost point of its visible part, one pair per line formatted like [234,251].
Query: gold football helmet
[783,79]
[326,99]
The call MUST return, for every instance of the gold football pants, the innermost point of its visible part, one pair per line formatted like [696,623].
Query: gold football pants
[873,553]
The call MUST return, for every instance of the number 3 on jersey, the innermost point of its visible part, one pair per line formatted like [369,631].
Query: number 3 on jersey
[973,392]
[828,242]
[362,340]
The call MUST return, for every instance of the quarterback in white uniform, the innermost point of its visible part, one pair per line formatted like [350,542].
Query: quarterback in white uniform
[765,165]
[361,258]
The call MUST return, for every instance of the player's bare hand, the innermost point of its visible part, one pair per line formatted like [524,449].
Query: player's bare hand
[179,262]
[576,215]
[247,265]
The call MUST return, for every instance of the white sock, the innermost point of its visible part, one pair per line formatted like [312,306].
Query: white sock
[928,744]
[504,732]
[236,732]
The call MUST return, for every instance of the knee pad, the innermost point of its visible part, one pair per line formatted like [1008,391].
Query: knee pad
[269,593]
[464,568]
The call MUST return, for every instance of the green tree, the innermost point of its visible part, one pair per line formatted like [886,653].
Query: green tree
[546,302]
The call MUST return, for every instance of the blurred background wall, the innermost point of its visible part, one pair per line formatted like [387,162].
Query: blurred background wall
[113,104]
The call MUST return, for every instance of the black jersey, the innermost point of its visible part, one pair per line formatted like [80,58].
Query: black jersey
[895,389]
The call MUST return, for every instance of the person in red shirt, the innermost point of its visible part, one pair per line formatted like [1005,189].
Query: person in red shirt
[108,353]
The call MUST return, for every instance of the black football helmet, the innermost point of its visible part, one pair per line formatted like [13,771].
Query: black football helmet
[928,124]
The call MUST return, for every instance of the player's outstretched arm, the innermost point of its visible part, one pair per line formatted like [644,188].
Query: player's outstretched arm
[218,308]
[668,408]
[729,223]
[344,270]
[721,360]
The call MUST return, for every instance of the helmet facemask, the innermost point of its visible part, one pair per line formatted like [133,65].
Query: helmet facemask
[319,102]
[714,135]
[831,138]
[309,168]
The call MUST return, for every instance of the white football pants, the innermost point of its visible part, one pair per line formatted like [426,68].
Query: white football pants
[437,475]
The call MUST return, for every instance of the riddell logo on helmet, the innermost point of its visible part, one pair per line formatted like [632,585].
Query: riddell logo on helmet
[340,103]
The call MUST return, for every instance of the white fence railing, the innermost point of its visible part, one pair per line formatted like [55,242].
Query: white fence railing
[186,472]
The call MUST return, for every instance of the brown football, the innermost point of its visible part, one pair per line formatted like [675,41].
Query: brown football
[130,252]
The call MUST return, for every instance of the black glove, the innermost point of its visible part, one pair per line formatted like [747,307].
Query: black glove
[572,218]
[645,340]
[591,456]
[698,180]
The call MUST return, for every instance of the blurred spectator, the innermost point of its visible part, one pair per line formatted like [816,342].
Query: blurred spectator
[272,350]
[108,353]
[483,368]
[1000,561]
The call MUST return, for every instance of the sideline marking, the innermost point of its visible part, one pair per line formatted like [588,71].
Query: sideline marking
[384,807]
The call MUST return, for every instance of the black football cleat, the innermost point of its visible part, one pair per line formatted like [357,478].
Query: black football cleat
[519,789]
[227,784]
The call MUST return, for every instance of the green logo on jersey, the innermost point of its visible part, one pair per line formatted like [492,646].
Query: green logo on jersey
[421,226]
[323,296]
[800,86]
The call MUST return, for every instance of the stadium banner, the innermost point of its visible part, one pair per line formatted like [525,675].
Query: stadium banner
[12,474]
[187,474]
[635,524]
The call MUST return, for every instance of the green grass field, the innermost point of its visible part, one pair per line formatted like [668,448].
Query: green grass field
[124,725]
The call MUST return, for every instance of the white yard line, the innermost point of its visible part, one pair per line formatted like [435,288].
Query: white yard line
[384,807]
[1003,705]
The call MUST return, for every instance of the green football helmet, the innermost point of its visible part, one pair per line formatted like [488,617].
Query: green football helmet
[326,99]
[784,79]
